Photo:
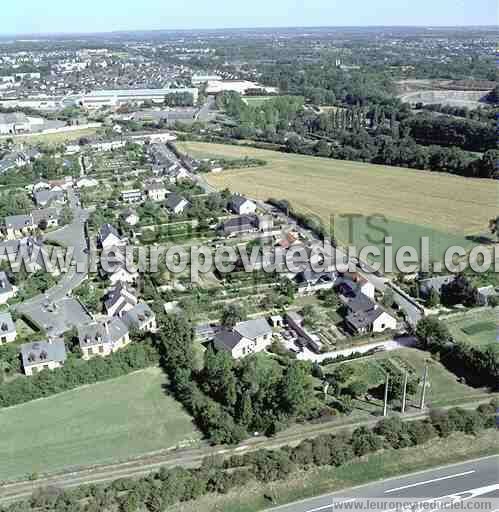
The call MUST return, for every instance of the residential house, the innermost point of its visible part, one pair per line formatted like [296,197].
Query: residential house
[8,330]
[238,225]
[86,183]
[102,338]
[130,216]
[24,249]
[18,226]
[176,173]
[132,196]
[45,217]
[155,191]
[141,317]
[176,204]
[310,281]
[120,299]
[42,355]
[118,272]
[244,338]
[109,237]
[365,316]
[7,291]
[241,206]
[65,183]
[434,283]
[45,198]
[297,323]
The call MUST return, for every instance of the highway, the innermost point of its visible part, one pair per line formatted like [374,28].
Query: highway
[433,489]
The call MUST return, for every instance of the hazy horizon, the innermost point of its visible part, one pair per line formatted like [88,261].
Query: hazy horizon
[54,17]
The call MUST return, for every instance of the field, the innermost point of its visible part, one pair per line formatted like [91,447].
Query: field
[56,138]
[105,422]
[444,387]
[477,329]
[416,203]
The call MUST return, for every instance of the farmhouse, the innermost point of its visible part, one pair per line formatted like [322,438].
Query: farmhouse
[244,338]
[8,330]
[365,316]
[102,338]
[42,355]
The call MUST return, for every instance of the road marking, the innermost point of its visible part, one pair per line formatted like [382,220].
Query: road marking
[430,481]
[331,506]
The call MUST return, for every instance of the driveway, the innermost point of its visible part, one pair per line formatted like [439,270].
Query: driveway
[406,341]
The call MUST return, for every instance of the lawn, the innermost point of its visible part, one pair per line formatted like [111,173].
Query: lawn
[444,387]
[113,420]
[477,328]
[416,203]
[256,101]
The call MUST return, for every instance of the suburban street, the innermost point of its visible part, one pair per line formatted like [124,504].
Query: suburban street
[54,310]
[475,480]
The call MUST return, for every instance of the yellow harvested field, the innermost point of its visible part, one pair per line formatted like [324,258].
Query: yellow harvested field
[443,202]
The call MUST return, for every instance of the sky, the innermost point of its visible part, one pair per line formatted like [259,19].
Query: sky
[58,16]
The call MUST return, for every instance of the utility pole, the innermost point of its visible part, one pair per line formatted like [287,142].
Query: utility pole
[425,383]
[385,406]
[404,393]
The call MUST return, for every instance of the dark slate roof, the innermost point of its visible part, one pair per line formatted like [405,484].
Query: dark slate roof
[18,221]
[239,224]
[173,200]
[120,292]
[47,196]
[226,339]
[44,214]
[43,352]
[236,201]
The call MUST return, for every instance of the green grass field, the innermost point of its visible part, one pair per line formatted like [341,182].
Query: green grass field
[110,421]
[479,328]
[416,203]
[444,387]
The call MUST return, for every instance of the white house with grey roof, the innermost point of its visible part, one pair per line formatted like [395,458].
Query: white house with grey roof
[141,317]
[8,330]
[364,316]
[176,204]
[244,338]
[241,205]
[109,237]
[120,299]
[102,338]
[7,290]
[42,355]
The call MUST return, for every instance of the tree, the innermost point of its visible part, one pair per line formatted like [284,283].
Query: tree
[494,226]
[433,298]
[231,315]
[431,330]
[295,390]
[66,216]
[388,297]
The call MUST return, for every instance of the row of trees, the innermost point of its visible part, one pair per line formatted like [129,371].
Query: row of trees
[165,488]
[478,367]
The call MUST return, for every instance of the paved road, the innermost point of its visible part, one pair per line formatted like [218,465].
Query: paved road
[205,112]
[474,480]
[54,310]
